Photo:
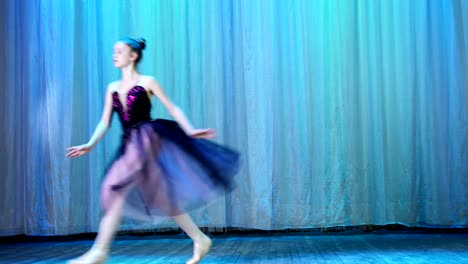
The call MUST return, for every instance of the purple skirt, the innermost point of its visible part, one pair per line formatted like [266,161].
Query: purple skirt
[160,171]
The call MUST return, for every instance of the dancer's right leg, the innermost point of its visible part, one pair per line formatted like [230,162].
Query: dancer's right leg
[113,201]
[107,229]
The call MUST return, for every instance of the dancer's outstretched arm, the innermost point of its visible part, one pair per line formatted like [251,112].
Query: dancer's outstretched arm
[100,130]
[177,113]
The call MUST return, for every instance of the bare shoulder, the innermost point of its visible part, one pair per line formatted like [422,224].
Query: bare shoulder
[148,79]
[150,83]
[113,86]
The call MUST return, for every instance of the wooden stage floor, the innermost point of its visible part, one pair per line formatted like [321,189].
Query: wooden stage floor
[275,248]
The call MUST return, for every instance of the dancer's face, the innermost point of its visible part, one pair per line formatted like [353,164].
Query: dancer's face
[123,55]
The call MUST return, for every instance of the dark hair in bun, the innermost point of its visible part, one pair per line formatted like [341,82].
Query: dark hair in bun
[142,43]
[137,45]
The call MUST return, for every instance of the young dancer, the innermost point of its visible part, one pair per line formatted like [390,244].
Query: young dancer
[162,168]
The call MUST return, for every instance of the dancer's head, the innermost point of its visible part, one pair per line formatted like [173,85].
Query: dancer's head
[128,51]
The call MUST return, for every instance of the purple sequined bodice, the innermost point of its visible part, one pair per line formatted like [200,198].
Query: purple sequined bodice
[137,109]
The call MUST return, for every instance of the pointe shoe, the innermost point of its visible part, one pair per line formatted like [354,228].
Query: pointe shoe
[200,249]
[93,256]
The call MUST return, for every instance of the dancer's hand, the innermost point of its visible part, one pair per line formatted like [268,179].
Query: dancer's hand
[203,133]
[76,151]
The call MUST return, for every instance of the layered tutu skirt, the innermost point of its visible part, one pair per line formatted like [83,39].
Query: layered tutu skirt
[160,171]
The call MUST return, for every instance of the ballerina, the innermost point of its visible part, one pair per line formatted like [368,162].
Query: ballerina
[162,168]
